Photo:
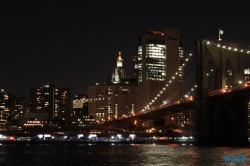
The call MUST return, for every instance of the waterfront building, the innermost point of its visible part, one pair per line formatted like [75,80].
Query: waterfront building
[12,110]
[159,67]
[87,121]
[35,120]
[54,101]
[116,97]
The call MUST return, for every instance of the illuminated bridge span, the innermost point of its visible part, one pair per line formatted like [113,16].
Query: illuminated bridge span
[220,115]
[162,110]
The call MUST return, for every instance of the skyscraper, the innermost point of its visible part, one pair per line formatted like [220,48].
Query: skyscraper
[159,67]
[55,101]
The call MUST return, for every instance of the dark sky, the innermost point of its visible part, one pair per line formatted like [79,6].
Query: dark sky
[76,43]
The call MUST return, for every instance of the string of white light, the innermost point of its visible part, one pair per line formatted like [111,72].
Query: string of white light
[167,85]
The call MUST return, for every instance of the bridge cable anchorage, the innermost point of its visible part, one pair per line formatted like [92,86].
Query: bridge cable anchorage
[155,98]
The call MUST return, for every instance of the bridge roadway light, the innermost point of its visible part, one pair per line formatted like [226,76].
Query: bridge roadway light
[172,120]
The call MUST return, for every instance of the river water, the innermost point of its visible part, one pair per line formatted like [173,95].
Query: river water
[120,154]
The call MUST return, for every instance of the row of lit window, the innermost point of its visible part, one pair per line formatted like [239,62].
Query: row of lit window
[156,45]
[150,65]
[32,124]
[34,121]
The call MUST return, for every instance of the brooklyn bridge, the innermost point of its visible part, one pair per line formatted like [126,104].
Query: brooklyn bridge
[221,115]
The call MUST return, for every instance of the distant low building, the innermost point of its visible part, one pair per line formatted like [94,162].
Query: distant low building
[35,120]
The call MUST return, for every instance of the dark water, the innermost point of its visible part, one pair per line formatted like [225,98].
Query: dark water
[119,154]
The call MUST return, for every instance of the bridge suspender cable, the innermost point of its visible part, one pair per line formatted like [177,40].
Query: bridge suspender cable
[176,92]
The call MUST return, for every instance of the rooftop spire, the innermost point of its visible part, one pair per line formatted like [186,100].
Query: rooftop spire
[119,57]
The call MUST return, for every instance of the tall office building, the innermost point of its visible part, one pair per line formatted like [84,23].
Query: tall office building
[159,67]
[55,101]
[114,98]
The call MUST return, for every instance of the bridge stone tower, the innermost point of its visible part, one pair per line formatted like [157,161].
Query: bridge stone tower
[219,52]
[216,118]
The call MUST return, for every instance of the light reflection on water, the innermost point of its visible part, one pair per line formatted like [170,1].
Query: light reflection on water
[119,154]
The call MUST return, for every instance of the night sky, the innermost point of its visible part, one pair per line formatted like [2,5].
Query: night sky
[76,43]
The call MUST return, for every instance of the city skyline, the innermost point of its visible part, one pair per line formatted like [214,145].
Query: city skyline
[75,44]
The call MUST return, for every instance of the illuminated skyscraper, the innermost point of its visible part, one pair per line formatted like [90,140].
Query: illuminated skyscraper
[159,67]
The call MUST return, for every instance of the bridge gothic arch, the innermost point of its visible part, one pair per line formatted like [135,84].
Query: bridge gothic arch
[219,52]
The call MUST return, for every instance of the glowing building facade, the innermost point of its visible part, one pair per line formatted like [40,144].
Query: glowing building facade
[159,67]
